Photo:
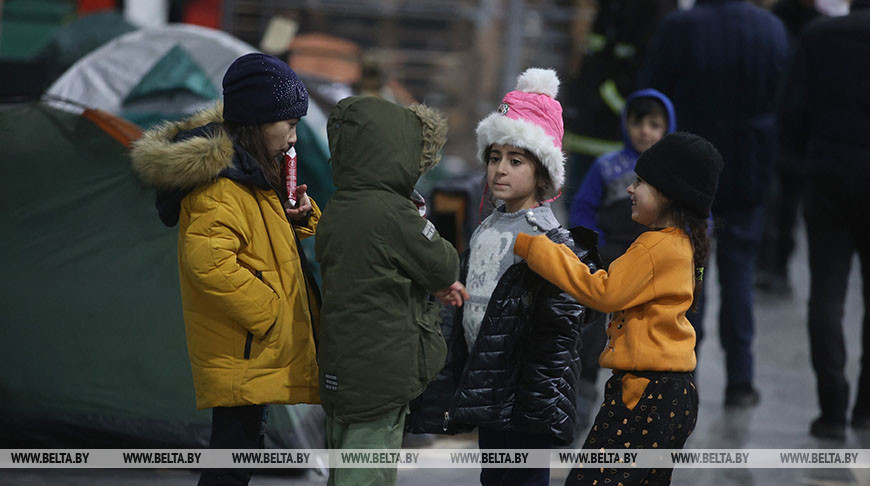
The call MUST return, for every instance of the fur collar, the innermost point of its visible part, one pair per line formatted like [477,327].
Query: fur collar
[162,163]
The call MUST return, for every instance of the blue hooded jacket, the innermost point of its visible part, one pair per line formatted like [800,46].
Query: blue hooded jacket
[601,203]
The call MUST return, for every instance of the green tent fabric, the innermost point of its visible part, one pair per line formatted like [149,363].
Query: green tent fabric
[25,30]
[148,119]
[72,42]
[174,72]
[27,26]
[94,346]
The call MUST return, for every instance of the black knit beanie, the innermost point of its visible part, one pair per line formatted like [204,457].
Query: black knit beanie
[259,88]
[685,168]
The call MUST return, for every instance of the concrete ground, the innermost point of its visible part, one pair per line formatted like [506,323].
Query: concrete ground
[782,419]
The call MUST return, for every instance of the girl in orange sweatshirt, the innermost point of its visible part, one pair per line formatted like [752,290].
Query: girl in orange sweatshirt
[650,401]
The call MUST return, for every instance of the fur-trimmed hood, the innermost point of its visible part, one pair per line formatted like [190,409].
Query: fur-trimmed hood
[175,157]
[164,163]
[376,144]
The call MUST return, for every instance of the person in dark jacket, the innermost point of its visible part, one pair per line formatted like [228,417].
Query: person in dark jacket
[720,63]
[790,179]
[514,363]
[613,53]
[825,119]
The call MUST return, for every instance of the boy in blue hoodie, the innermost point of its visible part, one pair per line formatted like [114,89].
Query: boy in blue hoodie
[601,203]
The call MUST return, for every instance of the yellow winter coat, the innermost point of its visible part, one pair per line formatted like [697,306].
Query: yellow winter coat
[250,317]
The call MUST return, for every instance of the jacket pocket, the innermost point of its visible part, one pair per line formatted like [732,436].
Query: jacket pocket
[249,339]
[256,344]
[633,389]
[433,349]
[272,279]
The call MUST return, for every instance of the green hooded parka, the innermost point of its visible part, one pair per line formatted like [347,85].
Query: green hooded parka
[381,340]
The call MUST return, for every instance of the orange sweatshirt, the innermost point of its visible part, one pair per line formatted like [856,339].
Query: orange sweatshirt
[649,289]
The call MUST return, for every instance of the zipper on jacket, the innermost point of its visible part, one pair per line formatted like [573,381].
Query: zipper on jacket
[248,341]
[459,316]
[307,277]
[250,337]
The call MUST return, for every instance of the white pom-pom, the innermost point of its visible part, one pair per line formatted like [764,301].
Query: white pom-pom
[537,80]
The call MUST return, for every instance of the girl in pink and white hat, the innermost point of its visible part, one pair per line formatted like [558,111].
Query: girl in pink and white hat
[513,364]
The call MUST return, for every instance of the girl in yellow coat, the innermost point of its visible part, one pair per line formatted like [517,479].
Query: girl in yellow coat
[250,305]
[650,401]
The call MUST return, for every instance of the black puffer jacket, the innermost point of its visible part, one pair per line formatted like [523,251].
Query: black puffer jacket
[523,371]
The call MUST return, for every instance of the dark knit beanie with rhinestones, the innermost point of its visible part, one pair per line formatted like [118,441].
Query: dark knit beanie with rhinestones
[685,168]
[259,88]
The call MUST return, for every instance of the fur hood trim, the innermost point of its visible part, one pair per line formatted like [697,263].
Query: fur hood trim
[164,164]
[434,135]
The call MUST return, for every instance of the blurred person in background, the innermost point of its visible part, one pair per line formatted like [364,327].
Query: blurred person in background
[613,52]
[601,203]
[790,179]
[825,122]
[720,63]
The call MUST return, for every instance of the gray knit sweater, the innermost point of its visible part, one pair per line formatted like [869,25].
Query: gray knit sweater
[492,253]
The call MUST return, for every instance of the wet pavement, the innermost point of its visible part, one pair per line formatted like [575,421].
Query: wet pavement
[781,420]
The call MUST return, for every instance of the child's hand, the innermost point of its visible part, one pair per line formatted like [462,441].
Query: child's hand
[453,295]
[303,204]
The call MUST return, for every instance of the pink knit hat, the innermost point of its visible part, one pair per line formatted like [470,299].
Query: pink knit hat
[529,117]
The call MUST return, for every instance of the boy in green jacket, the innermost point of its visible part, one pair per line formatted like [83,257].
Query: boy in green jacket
[381,339]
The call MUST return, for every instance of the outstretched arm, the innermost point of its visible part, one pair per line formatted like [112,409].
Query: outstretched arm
[627,284]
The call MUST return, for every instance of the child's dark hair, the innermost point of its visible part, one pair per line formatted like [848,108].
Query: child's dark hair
[544,187]
[643,106]
[253,139]
[698,230]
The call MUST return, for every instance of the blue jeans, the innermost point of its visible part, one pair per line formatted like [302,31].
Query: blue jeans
[496,439]
[737,243]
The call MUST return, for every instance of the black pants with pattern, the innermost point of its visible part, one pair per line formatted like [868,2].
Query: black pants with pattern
[663,419]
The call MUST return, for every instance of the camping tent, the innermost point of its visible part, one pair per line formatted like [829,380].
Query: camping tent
[26,26]
[165,73]
[36,64]
[81,36]
[94,347]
